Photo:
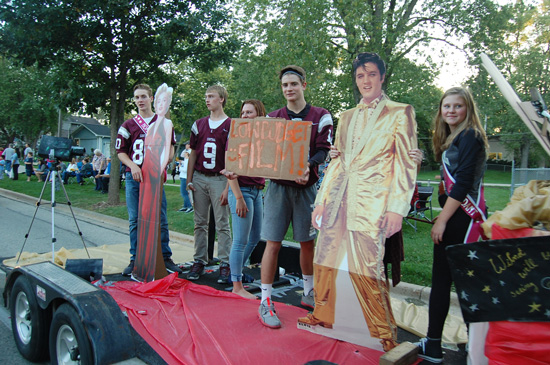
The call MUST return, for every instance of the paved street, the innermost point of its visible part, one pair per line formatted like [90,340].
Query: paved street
[17,214]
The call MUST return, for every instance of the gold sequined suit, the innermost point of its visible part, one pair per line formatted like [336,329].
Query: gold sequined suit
[373,175]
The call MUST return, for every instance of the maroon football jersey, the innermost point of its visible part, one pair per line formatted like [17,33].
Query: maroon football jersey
[321,137]
[209,144]
[131,140]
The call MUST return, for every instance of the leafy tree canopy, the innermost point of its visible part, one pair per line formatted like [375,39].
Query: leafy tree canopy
[27,99]
[101,48]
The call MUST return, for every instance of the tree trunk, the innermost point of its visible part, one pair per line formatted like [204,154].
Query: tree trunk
[525,146]
[118,101]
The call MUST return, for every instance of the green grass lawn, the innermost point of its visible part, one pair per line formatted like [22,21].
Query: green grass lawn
[418,245]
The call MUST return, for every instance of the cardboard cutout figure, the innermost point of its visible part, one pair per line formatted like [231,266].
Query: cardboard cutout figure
[149,264]
[365,189]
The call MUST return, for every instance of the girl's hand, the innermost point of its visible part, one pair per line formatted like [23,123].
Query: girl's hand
[437,230]
[241,208]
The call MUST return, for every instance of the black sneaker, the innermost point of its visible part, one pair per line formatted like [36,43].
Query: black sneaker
[429,351]
[183,209]
[196,271]
[225,273]
[189,210]
[128,270]
[171,267]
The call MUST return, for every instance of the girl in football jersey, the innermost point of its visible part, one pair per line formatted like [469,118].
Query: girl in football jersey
[246,204]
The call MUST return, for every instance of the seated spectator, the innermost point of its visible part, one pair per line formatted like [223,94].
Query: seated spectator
[61,167]
[85,171]
[102,180]
[42,171]
[71,170]
[29,168]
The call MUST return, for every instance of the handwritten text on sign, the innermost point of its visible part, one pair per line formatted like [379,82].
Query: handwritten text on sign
[503,279]
[268,147]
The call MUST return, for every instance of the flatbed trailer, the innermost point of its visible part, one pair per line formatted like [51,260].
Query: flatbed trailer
[56,314]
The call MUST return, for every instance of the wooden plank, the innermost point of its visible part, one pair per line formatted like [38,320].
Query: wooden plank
[404,354]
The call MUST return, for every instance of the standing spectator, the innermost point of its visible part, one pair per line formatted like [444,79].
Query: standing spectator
[130,150]
[99,163]
[103,179]
[2,166]
[460,144]
[175,171]
[29,168]
[209,187]
[27,150]
[15,165]
[184,162]
[85,171]
[291,201]
[8,153]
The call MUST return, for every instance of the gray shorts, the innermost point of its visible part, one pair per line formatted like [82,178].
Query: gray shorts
[284,204]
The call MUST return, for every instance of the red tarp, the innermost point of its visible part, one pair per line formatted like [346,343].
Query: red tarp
[194,324]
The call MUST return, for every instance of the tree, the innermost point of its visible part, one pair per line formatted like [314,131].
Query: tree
[325,36]
[27,101]
[104,47]
[517,38]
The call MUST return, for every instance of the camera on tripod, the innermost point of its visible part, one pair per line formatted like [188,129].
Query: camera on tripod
[58,148]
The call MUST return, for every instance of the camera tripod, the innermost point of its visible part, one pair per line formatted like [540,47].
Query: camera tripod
[55,177]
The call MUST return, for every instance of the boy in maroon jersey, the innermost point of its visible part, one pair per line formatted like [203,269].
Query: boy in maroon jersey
[208,144]
[130,150]
[292,201]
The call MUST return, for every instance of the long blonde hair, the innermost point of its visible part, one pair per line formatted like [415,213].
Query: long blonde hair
[443,137]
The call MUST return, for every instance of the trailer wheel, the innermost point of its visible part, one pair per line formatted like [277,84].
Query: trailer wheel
[28,321]
[69,342]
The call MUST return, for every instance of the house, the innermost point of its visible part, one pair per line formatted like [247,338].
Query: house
[93,137]
[88,133]
[497,150]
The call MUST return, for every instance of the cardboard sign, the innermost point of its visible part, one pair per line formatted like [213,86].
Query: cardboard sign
[502,279]
[268,147]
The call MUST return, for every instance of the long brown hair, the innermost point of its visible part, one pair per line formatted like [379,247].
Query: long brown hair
[443,137]
[258,105]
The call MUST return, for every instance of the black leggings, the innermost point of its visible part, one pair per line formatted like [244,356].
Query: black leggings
[440,294]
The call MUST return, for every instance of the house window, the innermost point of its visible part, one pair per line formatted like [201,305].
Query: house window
[495,156]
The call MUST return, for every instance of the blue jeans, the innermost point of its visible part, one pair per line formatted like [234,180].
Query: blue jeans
[132,203]
[246,231]
[184,193]
[66,174]
[80,177]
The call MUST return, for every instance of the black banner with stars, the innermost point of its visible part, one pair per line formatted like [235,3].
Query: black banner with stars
[503,279]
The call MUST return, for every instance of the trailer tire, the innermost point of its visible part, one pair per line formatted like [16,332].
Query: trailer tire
[69,343]
[28,321]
